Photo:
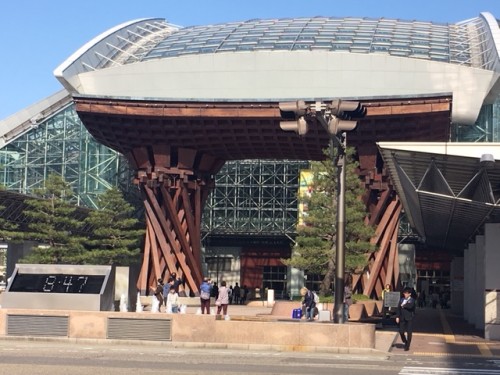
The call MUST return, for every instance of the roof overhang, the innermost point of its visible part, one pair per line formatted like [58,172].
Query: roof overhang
[251,130]
[284,75]
[447,192]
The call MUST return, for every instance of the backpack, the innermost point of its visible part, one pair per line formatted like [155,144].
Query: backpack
[315,297]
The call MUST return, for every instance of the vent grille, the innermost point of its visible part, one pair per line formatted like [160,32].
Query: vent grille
[140,329]
[36,325]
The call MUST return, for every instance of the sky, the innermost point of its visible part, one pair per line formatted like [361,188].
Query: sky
[37,36]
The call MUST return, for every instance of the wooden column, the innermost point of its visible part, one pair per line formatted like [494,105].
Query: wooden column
[173,194]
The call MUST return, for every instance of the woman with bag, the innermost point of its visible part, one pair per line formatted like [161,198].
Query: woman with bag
[205,291]
[223,299]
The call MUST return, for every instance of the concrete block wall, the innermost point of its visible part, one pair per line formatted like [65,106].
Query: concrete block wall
[287,335]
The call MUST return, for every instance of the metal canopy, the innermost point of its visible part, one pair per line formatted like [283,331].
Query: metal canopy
[446,191]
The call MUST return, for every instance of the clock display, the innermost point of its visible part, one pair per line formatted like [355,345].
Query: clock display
[57,283]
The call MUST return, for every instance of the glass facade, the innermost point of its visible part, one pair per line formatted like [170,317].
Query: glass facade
[486,128]
[62,145]
[254,197]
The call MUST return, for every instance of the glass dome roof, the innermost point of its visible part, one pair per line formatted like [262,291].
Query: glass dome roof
[450,43]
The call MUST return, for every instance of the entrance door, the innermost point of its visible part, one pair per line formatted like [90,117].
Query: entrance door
[274,277]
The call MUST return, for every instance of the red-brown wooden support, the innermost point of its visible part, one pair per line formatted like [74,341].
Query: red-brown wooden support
[383,265]
[173,196]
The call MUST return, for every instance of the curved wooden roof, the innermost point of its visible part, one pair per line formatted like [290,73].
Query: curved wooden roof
[244,130]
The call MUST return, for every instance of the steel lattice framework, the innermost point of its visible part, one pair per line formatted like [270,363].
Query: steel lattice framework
[62,145]
[254,196]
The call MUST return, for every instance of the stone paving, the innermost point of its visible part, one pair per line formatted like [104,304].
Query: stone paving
[437,332]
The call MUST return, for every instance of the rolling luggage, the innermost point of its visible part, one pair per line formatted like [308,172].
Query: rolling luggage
[296,313]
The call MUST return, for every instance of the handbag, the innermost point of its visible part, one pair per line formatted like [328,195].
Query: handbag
[217,303]
[205,295]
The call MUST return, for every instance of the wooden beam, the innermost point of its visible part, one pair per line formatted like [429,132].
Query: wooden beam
[381,227]
[164,245]
[389,276]
[169,204]
[160,223]
[374,272]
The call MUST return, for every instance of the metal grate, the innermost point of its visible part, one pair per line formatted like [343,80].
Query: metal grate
[35,325]
[140,329]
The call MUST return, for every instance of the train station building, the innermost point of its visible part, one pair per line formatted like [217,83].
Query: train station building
[187,121]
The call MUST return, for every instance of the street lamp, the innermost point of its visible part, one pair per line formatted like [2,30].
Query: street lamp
[337,118]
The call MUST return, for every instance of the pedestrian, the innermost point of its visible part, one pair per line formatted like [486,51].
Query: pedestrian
[158,292]
[347,300]
[173,301]
[236,294]
[244,295]
[422,301]
[385,290]
[308,304]
[223,299]
[166,290]
[434,299]
[385,309]
[230,291]
[176,281]
[205,289]
[215,291]
[404,317]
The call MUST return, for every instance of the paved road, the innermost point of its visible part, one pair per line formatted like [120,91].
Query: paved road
[58,357]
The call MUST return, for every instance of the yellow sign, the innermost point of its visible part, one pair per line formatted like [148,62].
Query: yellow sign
[305,189]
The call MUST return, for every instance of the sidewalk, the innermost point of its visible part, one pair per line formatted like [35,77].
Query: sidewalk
[437,332]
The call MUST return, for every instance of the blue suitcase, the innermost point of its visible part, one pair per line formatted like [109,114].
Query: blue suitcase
[296,313]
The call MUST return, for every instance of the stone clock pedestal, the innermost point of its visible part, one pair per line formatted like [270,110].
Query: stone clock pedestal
[60,287]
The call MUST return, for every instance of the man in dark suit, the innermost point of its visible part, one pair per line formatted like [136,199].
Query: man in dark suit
[404,317]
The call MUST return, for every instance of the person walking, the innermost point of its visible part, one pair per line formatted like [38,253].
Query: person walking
[404,317]
[205,291]
[222,299]
[236,294]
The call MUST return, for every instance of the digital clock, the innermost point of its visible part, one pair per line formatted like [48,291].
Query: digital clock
[57,283]
[60,287]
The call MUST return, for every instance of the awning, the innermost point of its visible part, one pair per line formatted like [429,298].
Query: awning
[448,190]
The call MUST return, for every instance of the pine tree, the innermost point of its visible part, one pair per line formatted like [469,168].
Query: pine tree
[115,238]
[315,247]
[53,225]
[8,230]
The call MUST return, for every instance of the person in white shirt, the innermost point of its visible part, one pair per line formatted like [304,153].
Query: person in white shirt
[173,301]
[222,299]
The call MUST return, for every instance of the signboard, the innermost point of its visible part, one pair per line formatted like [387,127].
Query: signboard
[391,299]
[60,287]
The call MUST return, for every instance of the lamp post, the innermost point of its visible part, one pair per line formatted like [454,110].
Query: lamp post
[337,118]
[338,315]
